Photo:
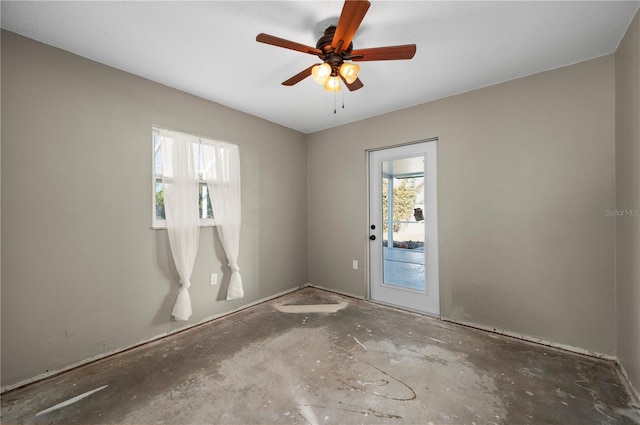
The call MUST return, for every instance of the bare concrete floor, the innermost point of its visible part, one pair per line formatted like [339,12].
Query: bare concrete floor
[362,364]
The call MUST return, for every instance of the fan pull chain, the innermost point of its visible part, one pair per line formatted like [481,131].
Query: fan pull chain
[334,102]
[343,99]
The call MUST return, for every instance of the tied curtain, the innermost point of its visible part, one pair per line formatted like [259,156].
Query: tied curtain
[186,160]
[180,183]
[222,173]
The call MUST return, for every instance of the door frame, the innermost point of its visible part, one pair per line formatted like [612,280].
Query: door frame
[368,220]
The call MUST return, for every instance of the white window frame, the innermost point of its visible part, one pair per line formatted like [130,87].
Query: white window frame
[157,223]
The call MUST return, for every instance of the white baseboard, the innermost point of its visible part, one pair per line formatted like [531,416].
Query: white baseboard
[101,356]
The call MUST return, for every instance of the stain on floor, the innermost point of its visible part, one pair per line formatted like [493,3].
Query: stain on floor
[362,364]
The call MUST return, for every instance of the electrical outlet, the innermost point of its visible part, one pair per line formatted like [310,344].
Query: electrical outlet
[355,264]
[214,278]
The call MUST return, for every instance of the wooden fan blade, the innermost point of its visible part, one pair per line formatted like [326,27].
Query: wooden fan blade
[357,84]
[351,16]
[281,42]
[299,76]
[406,51]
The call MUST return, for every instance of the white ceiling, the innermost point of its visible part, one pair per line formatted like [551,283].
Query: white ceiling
[208,48]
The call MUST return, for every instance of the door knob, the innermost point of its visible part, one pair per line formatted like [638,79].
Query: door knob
[372,237]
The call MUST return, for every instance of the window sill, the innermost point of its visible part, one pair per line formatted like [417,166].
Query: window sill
[161,225]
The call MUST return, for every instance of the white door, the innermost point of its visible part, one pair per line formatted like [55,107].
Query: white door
[403,227]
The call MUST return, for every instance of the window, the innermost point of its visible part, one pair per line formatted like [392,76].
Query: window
[204,201]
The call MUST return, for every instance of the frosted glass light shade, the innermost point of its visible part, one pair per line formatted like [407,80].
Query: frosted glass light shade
[349,71]
[332,84]
[321,72]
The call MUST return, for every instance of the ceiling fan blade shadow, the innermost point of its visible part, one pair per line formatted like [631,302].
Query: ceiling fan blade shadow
[405,51]
[357,84]
[287,44]
[351,16]
[299,76]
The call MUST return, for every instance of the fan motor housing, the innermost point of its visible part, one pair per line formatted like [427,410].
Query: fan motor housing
[324,43]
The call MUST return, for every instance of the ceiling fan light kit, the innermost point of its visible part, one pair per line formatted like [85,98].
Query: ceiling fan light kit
[335,49]
[324,75]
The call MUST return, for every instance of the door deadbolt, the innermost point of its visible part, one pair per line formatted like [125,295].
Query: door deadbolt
[372,237]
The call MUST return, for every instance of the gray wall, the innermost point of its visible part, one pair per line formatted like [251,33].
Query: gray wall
[526,171]
[628,198]
[78,251]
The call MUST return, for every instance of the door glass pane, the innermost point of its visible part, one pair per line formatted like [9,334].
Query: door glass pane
[403,226]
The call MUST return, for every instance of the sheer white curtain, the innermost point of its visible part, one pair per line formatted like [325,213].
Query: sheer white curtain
[180,182]
[222,172]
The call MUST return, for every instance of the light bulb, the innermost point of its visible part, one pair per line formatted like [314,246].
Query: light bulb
[332,84]
[349,72]
[321,72]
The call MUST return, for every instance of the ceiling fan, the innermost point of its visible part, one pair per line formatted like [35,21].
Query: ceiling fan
[336,49]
